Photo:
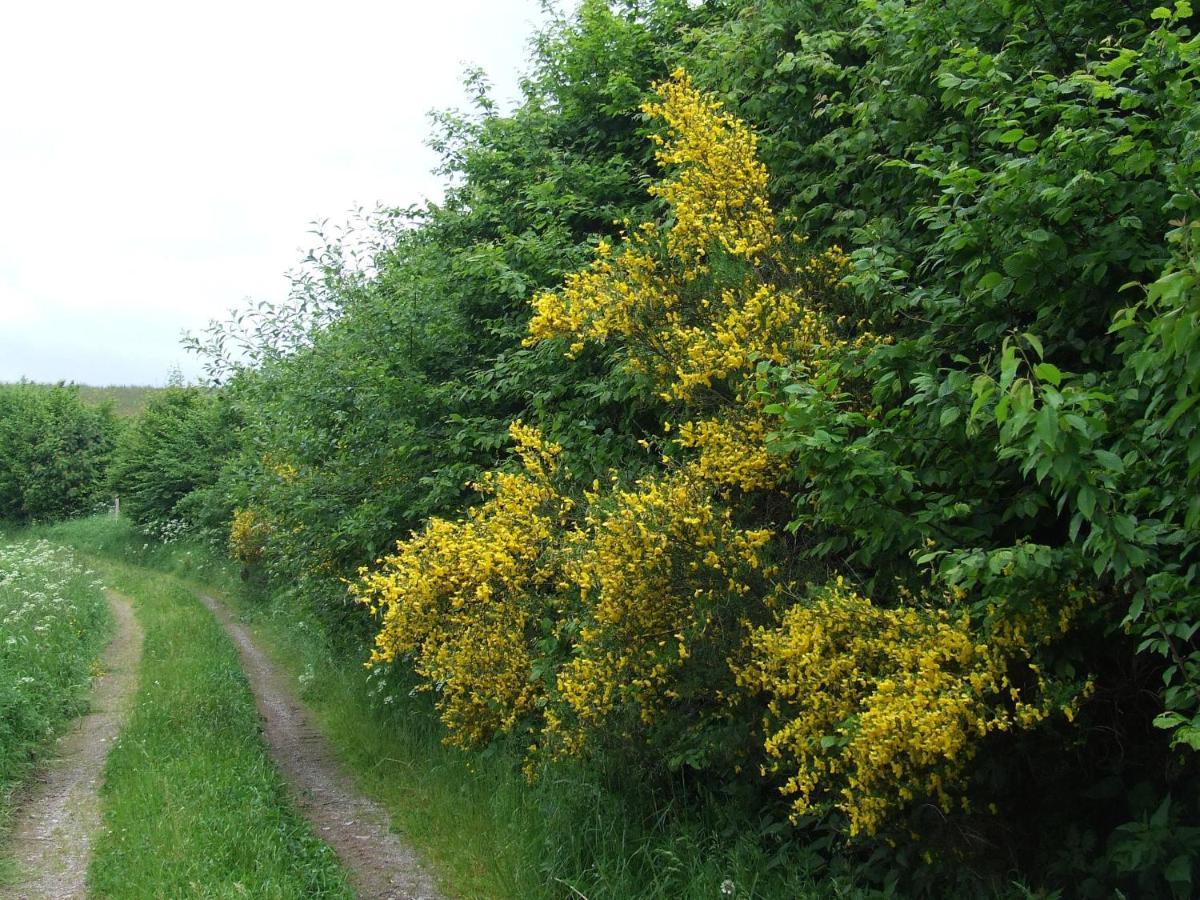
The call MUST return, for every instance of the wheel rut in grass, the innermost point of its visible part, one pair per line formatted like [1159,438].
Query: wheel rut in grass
[59,813]
[381,866]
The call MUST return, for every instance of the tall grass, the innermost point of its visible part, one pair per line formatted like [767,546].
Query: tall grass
[53,623]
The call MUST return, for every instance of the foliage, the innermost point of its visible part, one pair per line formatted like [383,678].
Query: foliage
[168,460]
[1012,443]
[54,452]
[929,327]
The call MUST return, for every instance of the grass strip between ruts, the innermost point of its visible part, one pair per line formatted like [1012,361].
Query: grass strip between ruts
[193,806]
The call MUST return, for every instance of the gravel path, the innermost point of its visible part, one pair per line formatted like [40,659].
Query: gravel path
[59,813]
[380,864]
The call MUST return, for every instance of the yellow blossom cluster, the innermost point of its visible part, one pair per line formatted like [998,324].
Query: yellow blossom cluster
[248,533]
[733,451]
[718,189]
[460,598]
[870,708]
[688,329]
[656,568]
[282,469]
[617,295]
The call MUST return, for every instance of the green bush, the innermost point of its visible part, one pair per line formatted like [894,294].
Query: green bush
[54,452]
[167,462]
[1015,186]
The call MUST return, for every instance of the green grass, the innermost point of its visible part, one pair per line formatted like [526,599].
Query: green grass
[192,805]
[498,836]
[473,816]
[127,400]
[53,624]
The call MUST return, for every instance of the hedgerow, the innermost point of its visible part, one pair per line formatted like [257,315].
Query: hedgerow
[54,452]
[845,474]
[644,594]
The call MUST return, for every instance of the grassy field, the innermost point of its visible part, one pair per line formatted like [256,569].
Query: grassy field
[474,818]
[53,623]
[192,805]
[127,400]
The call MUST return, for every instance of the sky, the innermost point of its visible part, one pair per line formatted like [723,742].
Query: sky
[162,163]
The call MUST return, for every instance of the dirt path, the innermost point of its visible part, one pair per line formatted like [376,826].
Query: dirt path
[59,814]
[381,865]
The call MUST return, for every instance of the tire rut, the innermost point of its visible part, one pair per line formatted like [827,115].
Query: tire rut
[380,865]
[58,815]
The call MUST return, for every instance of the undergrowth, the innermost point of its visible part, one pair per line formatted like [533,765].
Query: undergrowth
[596,833]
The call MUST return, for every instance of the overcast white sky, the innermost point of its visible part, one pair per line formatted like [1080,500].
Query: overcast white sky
[160,162]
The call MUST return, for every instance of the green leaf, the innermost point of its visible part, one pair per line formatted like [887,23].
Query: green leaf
[1179,409]
[1188,735]
[1086,501]
[1162,815]
[1168,720]
[1036,343]
[1008,366]
[989,281]
[1160,13]
[1109,460]
[1047,426]
[1048,372]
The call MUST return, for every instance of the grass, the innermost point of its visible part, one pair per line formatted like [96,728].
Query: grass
[126,400]
[53,624]
[473,816]
[192,805]
[573,833]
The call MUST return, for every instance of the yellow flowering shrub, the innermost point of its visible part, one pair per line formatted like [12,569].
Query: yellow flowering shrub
[248,533]
[459,598]
[653,594]
[656,567]
[661,571]
[689,330]
[871,708]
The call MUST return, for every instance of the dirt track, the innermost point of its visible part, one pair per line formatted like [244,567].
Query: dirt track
[59,814]
[380,865]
